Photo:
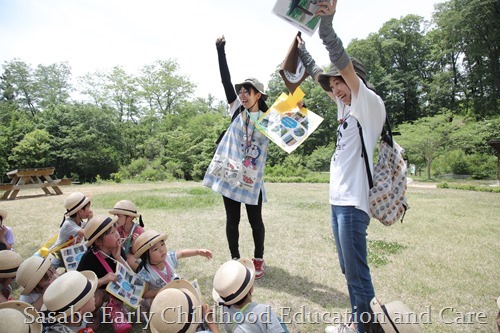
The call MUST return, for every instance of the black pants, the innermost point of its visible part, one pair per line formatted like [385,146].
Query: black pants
[254,213]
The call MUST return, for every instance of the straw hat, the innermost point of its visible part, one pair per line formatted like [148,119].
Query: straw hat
[233,281]
[9,263]
[19,317]
[395,317]
[125,207]
[69,291]
[176,308]
[145,241]
[97,226]
[31,272]
[3,214]
[74,202]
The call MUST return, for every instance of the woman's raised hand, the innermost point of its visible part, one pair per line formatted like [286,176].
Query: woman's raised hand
[220,42]
[327,8]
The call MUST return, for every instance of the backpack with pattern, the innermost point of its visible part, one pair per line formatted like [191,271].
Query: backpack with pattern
[387,198]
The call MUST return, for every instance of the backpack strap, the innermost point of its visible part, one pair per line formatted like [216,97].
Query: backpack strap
[365,156]
[386,137]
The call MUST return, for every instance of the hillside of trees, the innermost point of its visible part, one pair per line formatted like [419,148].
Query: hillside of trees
[440,82]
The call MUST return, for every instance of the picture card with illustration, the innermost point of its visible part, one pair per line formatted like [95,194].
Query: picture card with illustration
[72,255]
[128,286]
[299,13]
[286,124]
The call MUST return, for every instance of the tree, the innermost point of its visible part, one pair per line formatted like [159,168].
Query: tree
[425,139]
[472,29]
[162,87]
[53,85]
[18,84]
[33,151]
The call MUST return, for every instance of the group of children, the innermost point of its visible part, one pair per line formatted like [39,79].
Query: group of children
[77,300]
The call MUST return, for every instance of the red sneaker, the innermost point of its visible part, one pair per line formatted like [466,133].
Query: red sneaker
[259,267]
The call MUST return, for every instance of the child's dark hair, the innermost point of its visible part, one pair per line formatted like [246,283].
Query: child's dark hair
[144,261]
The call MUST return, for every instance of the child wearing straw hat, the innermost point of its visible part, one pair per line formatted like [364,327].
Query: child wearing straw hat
[70,301]
[233,288]
[395,317]
[157,267]
[77,212]
[9,263]
[188,313]
[34,275]
[19,317]
[103,252]
[6,234]
[129,230]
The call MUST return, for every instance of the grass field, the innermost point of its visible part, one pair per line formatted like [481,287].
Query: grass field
[443,261]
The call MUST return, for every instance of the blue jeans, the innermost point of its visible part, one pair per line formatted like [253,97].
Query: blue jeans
[349,229]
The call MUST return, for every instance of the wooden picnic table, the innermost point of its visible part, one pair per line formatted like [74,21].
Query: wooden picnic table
[22,179]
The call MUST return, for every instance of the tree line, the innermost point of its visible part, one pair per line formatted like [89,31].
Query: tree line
[440,82]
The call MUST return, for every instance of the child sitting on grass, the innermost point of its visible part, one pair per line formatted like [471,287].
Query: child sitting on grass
[103,252]
[233,288]
[157,267]
[6,234]
[9,263]
[69,300]
[187,314]
[34,275]
[129,230]
[77,212]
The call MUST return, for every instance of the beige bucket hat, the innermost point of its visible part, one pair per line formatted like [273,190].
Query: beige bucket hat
[97,226]
[125,207]
[185,308]
[9,263]
[233,281]
[19,317]
[74,202]
[31,272]
[69,291]
[395,317]
[145,241]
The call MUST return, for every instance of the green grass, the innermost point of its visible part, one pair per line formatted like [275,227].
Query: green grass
[442,261]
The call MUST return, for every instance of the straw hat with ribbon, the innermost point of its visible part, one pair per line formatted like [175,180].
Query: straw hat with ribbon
[126,207]
[31,272]
[176,308]
[233,281]
[19,317]
[395,317]
[9,263]
[97,226]
[145,241]
[74,202]
[69,292]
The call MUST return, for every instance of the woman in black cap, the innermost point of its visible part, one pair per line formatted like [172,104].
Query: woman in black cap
[237,168]
[360,111]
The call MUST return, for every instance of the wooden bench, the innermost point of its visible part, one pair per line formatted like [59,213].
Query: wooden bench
[22,179]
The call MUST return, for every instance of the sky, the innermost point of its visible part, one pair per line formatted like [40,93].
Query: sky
[93,35]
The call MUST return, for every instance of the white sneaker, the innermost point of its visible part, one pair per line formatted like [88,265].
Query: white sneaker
[340,328]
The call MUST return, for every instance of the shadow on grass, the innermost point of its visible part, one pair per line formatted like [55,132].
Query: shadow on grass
[278,279]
